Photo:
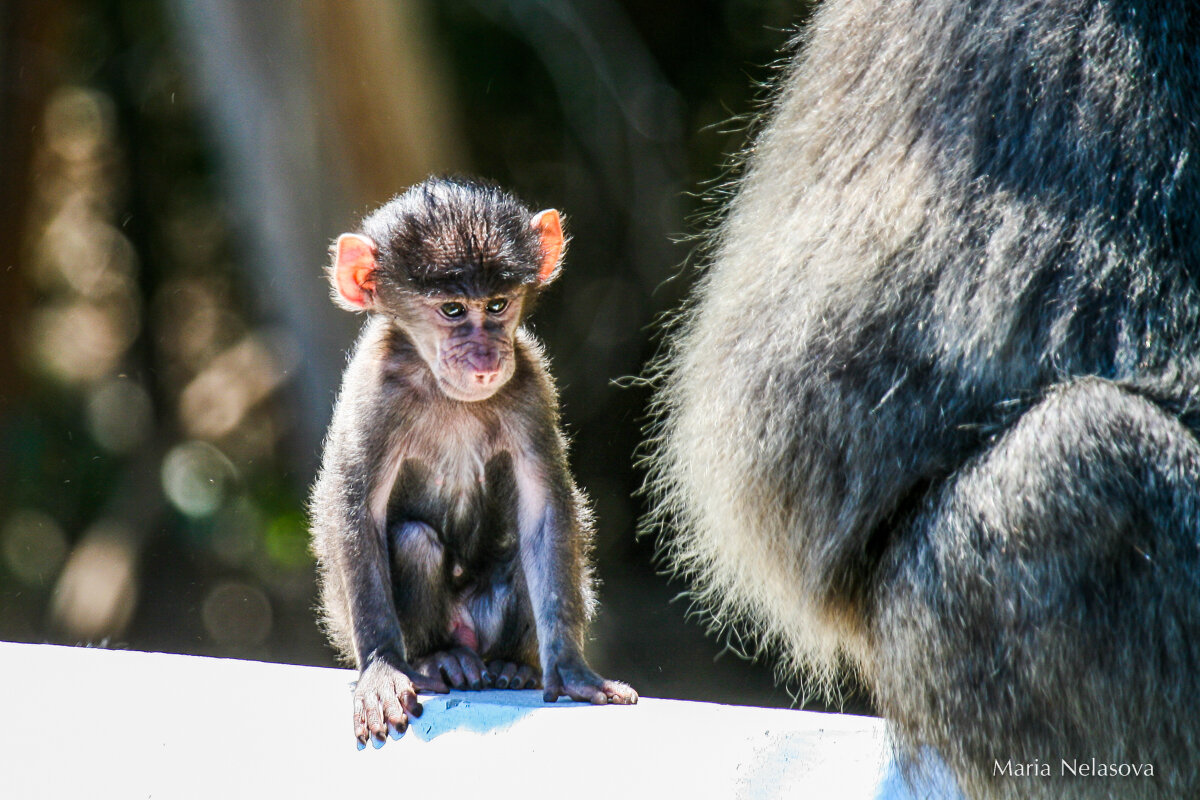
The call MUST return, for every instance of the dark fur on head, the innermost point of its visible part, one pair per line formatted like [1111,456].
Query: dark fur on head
[453,236]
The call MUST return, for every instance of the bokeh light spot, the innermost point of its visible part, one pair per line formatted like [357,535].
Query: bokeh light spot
[97,590]
[196,478]
[78,122]
[287,540]
[34,546]
[237,614]
[82,341]
[119,415]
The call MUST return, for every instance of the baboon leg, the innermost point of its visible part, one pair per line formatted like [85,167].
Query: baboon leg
[1041,608]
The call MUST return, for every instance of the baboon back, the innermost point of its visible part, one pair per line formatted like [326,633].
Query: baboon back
[931,408]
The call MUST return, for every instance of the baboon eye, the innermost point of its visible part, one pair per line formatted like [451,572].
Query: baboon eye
[497,305]
[453,310]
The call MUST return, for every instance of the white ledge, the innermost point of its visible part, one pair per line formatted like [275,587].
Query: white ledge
[122,724]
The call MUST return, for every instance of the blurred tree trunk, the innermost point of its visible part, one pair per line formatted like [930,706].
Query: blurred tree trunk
[313,115]
[383,96]
[31,33]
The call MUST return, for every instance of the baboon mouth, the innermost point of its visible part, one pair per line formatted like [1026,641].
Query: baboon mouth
[469,390]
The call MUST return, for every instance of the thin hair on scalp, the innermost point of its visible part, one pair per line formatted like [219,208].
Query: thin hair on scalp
[469,235]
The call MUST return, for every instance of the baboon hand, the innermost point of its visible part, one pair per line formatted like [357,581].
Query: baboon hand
[384,698]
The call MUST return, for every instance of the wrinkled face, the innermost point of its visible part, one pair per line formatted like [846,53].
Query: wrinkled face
[467,342]
[455,269]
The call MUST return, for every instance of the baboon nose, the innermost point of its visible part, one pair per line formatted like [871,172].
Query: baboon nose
[485,367]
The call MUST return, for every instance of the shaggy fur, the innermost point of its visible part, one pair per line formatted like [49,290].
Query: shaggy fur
[931,410]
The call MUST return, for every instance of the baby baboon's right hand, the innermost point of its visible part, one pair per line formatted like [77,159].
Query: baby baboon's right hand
[385,696]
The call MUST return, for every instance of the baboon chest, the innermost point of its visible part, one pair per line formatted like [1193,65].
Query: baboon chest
[470,507]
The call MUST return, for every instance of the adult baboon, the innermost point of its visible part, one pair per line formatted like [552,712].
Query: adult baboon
[932,409]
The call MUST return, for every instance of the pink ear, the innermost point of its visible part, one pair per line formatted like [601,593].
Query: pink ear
[353,269]
[548,224]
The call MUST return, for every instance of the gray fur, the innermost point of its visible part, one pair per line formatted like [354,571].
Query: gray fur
[931,410]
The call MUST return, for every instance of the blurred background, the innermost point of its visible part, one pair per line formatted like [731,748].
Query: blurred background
[171,175]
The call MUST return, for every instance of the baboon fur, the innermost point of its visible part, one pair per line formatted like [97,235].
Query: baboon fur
[932,409]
